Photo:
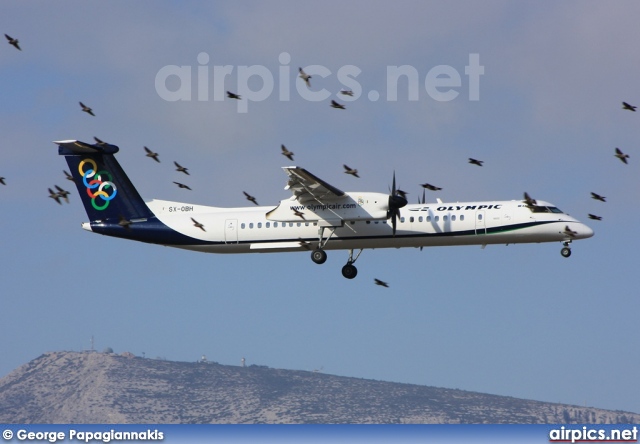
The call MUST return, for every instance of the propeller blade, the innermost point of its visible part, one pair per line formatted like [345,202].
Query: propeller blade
[394,220]
[393,187]
[396,201]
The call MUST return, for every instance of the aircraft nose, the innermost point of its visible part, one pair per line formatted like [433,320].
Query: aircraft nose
[584,231]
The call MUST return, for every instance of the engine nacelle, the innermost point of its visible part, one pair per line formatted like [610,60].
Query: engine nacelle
[351,206]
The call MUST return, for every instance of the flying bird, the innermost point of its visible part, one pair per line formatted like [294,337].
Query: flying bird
[598,197]
[346,92]
[622,156]
[181,168]
[381,283]
[351,171]
[428,186]
[529,201]
[198,224]
[86,109]
[125,223]
[68,176]
[250,198]
[594,217]
[285,152]
[63,193]
[298,213]
[2,180]
[336,105]
[569,232]
[304,76]
[233,95]
[475,161]
[55,196]
[151,154]
[181,185]
[13,42]
[305,244]
[625,105]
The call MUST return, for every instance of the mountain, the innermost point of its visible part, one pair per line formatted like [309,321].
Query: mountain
[83,387]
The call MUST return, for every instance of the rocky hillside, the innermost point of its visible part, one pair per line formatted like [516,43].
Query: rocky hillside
[70,387]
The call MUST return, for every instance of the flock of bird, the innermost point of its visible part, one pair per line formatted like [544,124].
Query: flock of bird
[307,80]
[61,194]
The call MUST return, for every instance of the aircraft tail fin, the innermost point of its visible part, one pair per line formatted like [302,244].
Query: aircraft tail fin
[104,187]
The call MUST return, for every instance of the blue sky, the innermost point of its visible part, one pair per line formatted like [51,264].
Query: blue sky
[517,320]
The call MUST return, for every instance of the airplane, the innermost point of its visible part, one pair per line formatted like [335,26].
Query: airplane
[316,218]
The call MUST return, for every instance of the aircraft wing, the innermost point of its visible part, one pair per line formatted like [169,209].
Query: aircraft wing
[305,186]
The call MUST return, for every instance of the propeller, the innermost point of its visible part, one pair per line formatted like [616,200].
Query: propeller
[397,200]
[422,202]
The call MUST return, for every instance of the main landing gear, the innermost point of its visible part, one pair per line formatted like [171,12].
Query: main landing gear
[566,251]
[319,256]
[349,270]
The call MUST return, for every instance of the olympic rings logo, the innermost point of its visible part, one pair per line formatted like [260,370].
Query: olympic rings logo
[93,179]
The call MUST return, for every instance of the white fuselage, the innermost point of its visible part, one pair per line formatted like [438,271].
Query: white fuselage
[248,230]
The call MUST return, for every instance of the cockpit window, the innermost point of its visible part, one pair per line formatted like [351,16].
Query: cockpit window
[541,209]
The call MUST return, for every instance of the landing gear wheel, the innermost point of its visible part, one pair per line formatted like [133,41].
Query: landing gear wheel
[565,252]
[349,271]
[318,256]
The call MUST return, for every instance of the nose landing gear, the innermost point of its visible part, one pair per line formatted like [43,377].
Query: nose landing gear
[566,251]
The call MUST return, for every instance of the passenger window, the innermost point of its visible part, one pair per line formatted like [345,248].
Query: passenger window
[242,225]
[453,217]
[268,224]
[420,219]
[251,225]
[275,225]
[428,218]
[259,224]
[402,220]
[437,218]
[445,218]
[462,217]
[479,216]
[411,219]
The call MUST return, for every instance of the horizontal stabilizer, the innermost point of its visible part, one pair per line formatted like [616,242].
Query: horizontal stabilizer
[70,147]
